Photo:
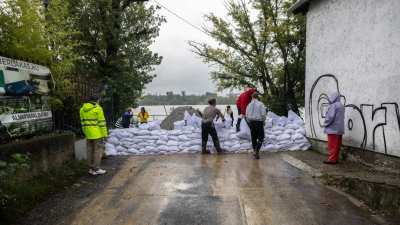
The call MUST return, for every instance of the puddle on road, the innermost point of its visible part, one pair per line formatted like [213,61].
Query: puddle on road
[181,186]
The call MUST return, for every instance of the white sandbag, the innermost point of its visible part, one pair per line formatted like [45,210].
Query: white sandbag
[272,137]
[292,126]
[119,148]
[186,132]
[227,148]
[112,135]
[227,143]
[162,148]
[210,143]
[300,141]
[144,133]
[197,121]
[235,147]
[161,142]
[172,143]
[123,134]
[133,131]
[113,140]
[306,146]
[155,133]
[143,151]
[155,125]
[284,137]
[272,115]
[289,131]
[135,146]
[151,141]
[301,131]
[133,151]
[218,124]
[195,136]
[278,128]
[186,144]
[126,144]
[231,131]
[196,142]
[125,139]
[181,148]
[109,145]
[151,137]
[190,121]
[174,132]
[173,148]
[246,145]
[282,121]
[164,132]
[268,124]
[228,122]
[292,115]
[178,125]
[183,138]
[174,138]
[297,136]
[111,151]
[195,148]
[270,148]
[188,128]
[138,140]
[164,138]
[298,121]
[197,130]
[143,144]
[143,126]
[277,133]
[150,149]
[244,131]
[233,137]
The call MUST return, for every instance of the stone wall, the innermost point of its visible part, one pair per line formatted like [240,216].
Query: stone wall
[43,152]
[353,47]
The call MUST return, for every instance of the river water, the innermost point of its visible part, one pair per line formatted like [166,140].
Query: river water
[158,111]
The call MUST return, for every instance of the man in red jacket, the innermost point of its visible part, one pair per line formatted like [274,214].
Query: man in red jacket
[242,102]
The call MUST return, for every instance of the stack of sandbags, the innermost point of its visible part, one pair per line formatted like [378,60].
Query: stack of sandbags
[283,134]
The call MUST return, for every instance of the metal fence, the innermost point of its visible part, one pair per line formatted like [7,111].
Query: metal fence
[69,119]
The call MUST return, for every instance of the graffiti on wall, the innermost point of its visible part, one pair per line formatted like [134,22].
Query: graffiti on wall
[368,126]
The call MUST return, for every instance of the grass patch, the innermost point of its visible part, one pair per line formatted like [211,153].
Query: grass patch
[329,180]
[30,192]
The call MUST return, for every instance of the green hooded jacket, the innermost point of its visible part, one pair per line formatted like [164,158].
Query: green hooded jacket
[93,121]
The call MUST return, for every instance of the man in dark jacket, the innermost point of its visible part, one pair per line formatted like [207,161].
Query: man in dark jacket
[334,127]
[242,102]
[126,118]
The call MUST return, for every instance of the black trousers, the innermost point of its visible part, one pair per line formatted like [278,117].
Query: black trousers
[257,133]
[125,125]
[208,128]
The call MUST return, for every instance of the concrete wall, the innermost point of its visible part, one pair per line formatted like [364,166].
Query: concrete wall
[358,44]
[43,152]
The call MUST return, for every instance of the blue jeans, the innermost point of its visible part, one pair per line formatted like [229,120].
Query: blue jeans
[239,118]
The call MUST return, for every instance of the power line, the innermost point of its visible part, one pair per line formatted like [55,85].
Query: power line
[182,19]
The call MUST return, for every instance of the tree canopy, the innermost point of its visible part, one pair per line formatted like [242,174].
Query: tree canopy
[260,47]
[117,34]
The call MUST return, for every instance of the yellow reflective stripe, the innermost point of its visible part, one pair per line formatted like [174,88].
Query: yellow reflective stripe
[89,120]
[102,126]
[102,121]
[90,125]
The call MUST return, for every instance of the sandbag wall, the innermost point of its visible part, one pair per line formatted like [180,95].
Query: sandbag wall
[287,134]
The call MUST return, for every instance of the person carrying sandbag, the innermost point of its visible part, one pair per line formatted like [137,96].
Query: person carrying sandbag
[143,115]
[207,127]
[256,114]
[242,102]
[95,130]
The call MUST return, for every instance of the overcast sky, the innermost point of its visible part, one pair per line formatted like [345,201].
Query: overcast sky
[182,70]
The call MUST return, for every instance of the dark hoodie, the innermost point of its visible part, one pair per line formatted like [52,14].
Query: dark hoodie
[244,100]
[334,117]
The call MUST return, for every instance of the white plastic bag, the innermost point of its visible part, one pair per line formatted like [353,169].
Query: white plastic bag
[144,126]
[228,122]
[113,141]
[178,125]
[218,124]
[155,133]
[172,143]
[183,138]
[155,125]
[174,138]
[111,151]
[144,133]
[268,124]
[161,142]
[244,131]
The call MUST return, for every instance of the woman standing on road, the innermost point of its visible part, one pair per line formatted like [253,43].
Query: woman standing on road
[144,115]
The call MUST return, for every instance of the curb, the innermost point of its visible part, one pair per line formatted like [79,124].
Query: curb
[385,197]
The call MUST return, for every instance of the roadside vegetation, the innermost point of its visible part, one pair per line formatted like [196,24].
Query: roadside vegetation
[19,196]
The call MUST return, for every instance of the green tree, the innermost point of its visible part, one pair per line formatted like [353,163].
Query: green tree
[118,34]
[266,53]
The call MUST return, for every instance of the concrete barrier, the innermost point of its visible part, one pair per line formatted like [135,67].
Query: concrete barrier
[43,151]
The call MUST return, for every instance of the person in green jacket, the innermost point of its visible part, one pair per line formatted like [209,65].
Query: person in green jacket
[95,130]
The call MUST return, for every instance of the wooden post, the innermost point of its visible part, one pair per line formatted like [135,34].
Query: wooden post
[167,117]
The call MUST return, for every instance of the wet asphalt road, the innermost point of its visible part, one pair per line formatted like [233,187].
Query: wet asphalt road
[199,189]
